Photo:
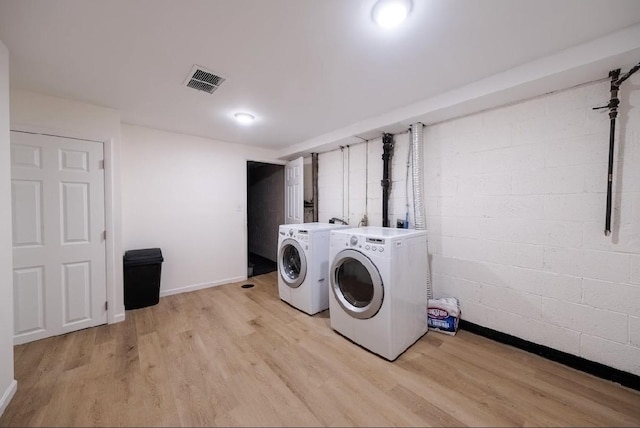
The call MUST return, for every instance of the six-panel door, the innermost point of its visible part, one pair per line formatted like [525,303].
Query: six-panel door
[59,276]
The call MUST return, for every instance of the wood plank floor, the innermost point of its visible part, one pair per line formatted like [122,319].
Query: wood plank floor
[229,356]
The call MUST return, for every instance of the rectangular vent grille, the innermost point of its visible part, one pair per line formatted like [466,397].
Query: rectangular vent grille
[203,80]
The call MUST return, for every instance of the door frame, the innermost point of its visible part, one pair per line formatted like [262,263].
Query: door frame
[113,246]
[247,159]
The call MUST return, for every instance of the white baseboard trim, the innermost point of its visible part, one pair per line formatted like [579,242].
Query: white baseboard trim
[8,395]
[195,287]
[118,318]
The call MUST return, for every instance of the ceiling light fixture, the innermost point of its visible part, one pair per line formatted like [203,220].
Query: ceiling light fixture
[244,118]
[390,13]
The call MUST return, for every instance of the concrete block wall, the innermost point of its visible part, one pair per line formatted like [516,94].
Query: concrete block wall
[515,211]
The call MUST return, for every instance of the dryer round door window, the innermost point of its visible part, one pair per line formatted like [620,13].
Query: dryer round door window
[293,263]
[356,284]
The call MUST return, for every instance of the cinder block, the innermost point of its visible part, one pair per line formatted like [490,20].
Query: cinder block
[448,226]
[514,254]
[562,339]
[511,159]
[635,202]
[467,291]
[619,356]
[475,313]
[432,206]
[634,331]
[516,325]
[514,206]
[584,150]
[465,142]
[434,224]
[561,287]
[601,265]
[562,233]
[472,270]
[466,163]
[562,180]
[605,324]
[498,136]
[461,248]
[463,227]
[625,237]
[484,184]
[511,230]
[461,206]
[571,123]
[509,300]
[573,207]
[635,269]
[595,177]
[612,296]
[629,177]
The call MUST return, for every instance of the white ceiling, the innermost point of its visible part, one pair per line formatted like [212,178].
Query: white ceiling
[304,68]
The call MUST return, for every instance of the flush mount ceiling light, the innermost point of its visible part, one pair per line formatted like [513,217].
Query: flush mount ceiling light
[244,118]
[390,13]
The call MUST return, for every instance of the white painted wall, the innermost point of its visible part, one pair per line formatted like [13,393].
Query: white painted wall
[515,212]
[187,195]
[7,383]
[41,113]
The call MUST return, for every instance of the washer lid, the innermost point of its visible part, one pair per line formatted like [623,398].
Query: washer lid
[356,284]
[292,263]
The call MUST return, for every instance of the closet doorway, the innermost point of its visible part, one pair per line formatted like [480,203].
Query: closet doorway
[265,213]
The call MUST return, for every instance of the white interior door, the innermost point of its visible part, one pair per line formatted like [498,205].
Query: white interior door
[294,191]
[59,272]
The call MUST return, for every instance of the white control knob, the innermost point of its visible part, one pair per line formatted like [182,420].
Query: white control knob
[354,240]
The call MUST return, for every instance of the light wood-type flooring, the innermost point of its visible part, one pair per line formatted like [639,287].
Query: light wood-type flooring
[230,356]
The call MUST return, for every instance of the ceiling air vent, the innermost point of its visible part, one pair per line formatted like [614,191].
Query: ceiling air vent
[203,80]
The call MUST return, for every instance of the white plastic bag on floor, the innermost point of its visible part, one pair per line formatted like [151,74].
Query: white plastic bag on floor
[443,315]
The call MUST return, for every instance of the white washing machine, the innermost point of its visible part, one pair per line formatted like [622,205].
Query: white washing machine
[303,265]
[378,287]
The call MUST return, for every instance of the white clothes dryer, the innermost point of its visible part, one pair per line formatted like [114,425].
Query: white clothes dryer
[303,265]
[378,287]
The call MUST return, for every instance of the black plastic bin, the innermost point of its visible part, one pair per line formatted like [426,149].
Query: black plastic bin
[142,277]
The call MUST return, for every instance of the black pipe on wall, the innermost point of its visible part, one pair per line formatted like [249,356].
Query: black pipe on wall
[613,113]
[613,104]
[314,180]
[387,155]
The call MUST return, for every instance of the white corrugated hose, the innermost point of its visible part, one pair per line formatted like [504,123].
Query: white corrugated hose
[419,212]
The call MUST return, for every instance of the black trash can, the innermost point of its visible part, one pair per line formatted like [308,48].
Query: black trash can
[142,277]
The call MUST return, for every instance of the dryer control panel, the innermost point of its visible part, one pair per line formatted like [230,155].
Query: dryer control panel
[300,235]
[376,245]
